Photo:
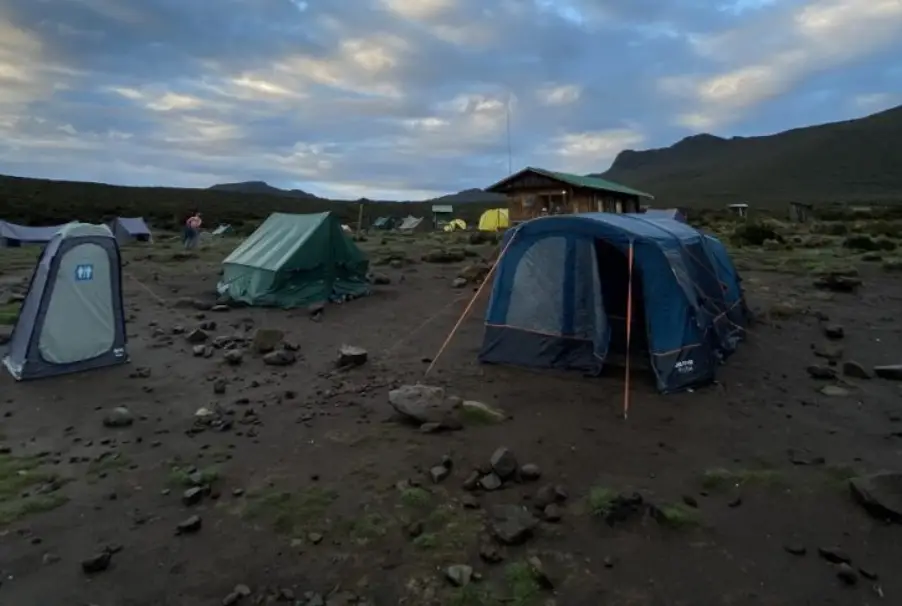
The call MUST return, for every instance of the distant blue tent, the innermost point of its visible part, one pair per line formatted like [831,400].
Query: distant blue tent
[559,297]
[665,213]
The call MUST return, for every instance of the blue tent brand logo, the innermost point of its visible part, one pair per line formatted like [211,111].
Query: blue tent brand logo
[685,366]
[84,273]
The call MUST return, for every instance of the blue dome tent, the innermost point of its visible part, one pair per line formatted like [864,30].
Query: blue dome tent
[560,297]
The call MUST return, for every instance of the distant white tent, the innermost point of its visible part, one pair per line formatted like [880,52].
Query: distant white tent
[411,223]
[12,235]
[126,229]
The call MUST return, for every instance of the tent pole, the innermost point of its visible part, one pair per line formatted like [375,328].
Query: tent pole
[629,325]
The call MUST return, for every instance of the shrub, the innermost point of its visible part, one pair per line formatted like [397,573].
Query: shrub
[754,234]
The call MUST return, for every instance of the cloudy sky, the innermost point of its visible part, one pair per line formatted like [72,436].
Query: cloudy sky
[409,98]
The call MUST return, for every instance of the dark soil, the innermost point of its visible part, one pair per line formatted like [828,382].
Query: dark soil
[304,493]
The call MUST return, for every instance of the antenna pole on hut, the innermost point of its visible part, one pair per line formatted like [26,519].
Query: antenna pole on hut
[359,219]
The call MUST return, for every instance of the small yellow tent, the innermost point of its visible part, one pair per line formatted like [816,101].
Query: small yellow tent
[455,225]
[494,219]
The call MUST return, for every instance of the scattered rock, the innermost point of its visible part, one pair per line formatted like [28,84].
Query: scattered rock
[349,355]
[504,463]
[439,473]
[837,282]
[459,575]
[198,335]
[280,357]
[234,357]
[530,472]
[472,481]
[219,386]
[118,417]
[855,370]
[795,549]
[892,372]
[458,282]
[240,592]
[97,562]
[834,391]
[193,496]
[379,279]
[512,524]
[266,340]
[834,555]
[490,482]
[50,558]
[474,273]
[220,308]
[834,331]
[142,372]
[315,538]
[189,526]
[822,372]
[490,553]
[420,403]
[880,494]
[868,573]
[199,351]
[847,574]
[548,494]
[832,352]
[538,572]
[552,513]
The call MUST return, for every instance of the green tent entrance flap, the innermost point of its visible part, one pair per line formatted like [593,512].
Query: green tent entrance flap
[295,260]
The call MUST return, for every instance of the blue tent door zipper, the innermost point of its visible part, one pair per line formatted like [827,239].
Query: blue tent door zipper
[84,272]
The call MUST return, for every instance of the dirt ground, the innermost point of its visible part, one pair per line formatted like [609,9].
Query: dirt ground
[312,492]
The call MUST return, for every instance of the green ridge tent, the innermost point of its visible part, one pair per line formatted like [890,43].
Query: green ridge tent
[295,260]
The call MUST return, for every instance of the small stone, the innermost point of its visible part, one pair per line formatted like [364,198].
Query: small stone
[220,308]
[266,340]
[192,496]
[847,574]
[834,331]
[538,572]
[834,391]
[118,417]
[853,369]
[219,386]
[281,357]
[414,529]
[821,372]
[315,538]
[868,573]
[459,282]
[472,481]
[690,501]
[199,350]
[350,355]
[50,558]
[97,563]
[512,524]
[490,482]
[552,513]
[439,473]
[490,553]
[530,472]
[892,372]
[834,555]
[795,549]
[196,336]
[503,463]
[469,502]
[234,357]
[459,575]
[189,526]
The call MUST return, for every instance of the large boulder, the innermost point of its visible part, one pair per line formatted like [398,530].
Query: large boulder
[880,494]
[421,403]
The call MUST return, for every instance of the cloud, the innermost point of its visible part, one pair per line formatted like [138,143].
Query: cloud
[769,56]
[409,99]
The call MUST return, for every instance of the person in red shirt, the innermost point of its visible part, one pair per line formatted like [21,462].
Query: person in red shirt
[192,230]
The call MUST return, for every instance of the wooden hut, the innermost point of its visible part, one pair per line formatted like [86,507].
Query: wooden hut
[535,192]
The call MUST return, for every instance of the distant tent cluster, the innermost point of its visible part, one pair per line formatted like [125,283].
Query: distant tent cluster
[124,229]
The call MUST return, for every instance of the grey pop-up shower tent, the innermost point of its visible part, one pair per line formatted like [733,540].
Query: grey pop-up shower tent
[72,317]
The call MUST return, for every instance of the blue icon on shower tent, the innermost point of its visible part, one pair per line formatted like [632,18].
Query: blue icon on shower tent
[84,273]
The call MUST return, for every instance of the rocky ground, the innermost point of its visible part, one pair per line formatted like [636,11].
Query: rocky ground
[251,456]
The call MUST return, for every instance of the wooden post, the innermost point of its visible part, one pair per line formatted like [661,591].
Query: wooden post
[359,219]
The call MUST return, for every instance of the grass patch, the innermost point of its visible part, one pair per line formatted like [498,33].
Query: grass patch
[522,587]
[721,478]
[9,314]
[16,510]
[114,462]
[678,515]
[17,475]
[600,500]
[369,527]
[415,496]
[187,477]
[474,415]
[427,541]
[290,512]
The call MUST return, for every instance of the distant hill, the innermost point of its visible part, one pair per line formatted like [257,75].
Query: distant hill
[852,161]
[260,187]
[471,196]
